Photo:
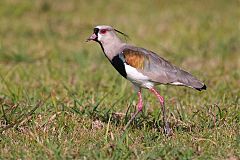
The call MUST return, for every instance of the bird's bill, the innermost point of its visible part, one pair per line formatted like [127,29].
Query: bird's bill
[93,37]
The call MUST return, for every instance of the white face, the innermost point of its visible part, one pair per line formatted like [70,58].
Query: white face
[105,33]
[100,36]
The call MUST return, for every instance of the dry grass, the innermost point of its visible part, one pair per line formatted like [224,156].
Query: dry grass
[61,99]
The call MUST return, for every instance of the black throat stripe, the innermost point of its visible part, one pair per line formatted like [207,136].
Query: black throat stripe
[118,64]
[95,31]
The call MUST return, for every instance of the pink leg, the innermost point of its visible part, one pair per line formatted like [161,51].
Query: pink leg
[140,101]
[161,100]
[139,109]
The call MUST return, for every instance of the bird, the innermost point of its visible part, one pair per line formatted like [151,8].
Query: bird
[145,69]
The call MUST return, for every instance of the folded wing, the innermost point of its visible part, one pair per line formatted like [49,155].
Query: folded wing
[158,69]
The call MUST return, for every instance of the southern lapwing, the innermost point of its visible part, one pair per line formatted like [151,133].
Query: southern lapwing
[144,68]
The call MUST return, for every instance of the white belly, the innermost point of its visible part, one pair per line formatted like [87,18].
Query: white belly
[137,78]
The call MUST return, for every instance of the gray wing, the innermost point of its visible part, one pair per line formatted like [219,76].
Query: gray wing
[158,69]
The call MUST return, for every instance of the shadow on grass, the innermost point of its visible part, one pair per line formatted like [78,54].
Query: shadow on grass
[180,119]
[207,117]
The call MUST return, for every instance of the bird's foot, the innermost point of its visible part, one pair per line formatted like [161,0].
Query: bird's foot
[167,130]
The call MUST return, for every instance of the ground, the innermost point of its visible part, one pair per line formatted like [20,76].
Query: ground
[61,99]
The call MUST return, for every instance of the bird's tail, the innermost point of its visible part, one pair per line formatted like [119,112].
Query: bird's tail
[204,87]
[189,80]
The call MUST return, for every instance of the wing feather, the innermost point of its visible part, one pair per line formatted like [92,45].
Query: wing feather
[157,68]
[134,58]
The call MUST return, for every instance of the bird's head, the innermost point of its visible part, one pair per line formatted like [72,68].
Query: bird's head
[104,34]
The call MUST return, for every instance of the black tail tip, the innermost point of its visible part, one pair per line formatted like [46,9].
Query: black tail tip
[204,87]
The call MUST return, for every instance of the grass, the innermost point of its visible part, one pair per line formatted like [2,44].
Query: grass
[61,99]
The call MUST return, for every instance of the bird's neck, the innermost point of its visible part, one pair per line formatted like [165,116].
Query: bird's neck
[112,48]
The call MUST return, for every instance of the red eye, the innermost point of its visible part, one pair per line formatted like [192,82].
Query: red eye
[103,31]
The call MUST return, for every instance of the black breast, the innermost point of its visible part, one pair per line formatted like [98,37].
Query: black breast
[118,64]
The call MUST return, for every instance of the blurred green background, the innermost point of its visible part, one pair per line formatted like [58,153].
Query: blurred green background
[60,97]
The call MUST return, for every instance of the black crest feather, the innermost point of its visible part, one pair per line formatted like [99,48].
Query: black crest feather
[125,35]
